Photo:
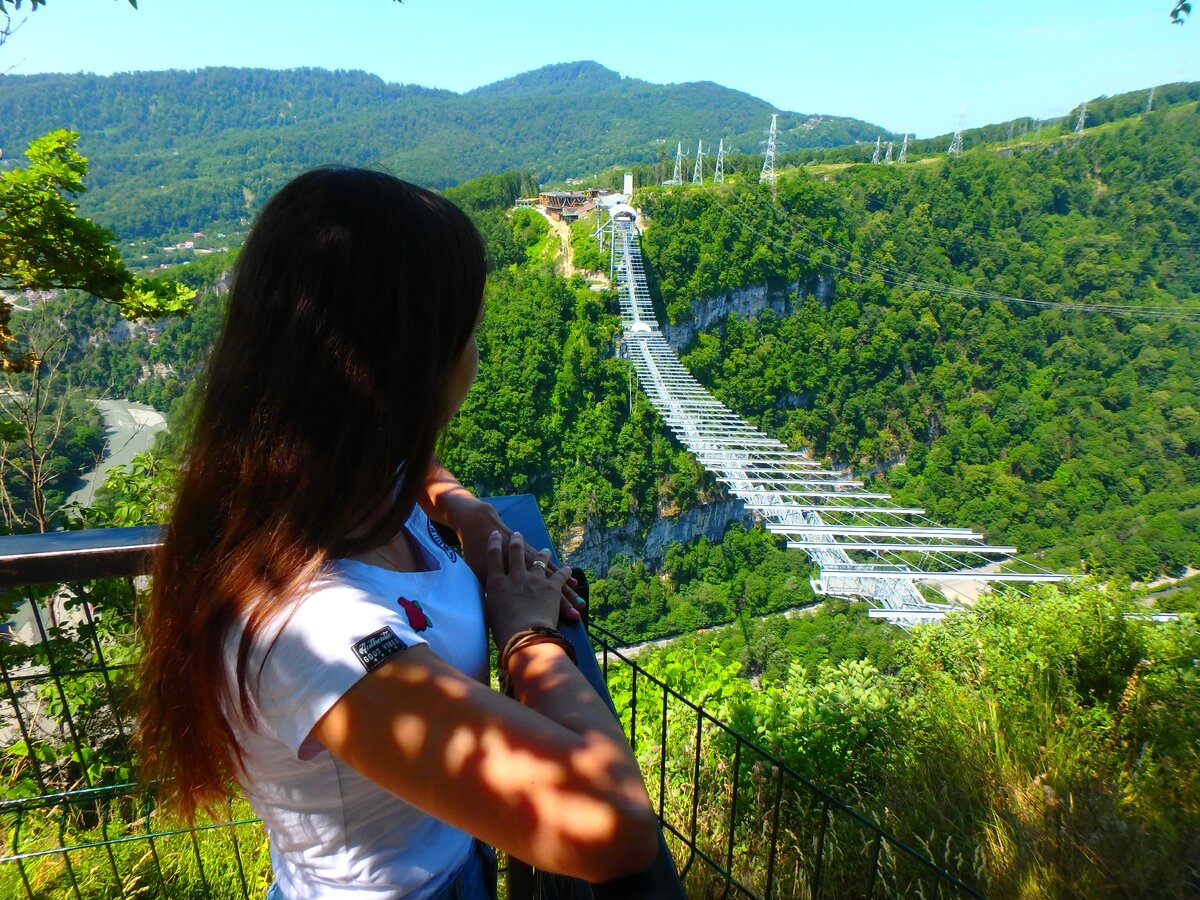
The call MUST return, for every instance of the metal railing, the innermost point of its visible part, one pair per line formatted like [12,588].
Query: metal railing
[77,824]
[740,822]
[76,821]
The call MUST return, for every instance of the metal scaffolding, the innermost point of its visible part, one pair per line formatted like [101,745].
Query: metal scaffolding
[865,546]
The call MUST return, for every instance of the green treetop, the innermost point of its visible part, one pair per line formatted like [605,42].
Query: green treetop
[45,244]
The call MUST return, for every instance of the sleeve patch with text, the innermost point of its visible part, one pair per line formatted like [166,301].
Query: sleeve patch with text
[377,648]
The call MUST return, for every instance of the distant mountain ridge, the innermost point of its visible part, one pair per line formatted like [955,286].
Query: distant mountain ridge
[177,150]
[553,77]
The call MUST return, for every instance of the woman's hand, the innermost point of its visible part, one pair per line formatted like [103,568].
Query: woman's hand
[520,594]
[450,503]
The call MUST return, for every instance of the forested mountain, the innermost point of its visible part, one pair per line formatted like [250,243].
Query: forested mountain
[183,150]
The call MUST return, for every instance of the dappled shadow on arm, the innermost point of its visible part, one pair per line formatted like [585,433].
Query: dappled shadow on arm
[565,796]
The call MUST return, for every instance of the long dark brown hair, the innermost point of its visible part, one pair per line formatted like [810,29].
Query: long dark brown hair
[353,298]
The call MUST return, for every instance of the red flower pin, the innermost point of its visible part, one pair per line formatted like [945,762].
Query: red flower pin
[416,616]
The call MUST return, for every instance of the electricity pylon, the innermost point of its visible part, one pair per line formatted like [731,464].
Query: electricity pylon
[1079,123]
[1150,101]
[888,158]
[677,178]
[875,155]
[719,170]
[904,150]
[956,145]
[768,169]
[698,171]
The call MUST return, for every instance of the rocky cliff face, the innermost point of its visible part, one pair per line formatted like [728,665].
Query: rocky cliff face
[746,302]
[599,546]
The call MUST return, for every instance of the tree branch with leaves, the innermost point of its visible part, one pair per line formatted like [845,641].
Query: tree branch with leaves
[45,244]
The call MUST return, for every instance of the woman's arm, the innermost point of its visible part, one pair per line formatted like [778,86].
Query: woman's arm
[445,500]
[550,780]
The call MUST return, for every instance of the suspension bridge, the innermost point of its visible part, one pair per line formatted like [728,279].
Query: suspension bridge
[865,545]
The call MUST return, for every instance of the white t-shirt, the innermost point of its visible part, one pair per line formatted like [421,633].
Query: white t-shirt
[333,833]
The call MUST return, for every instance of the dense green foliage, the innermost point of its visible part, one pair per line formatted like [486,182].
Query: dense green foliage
[150,362]
[1182,595]
[45,244]
[48,447]
[48,434]
[828,633]
[1038,747]
[1049,427]
[701,584]
[179,151]
[1048,747]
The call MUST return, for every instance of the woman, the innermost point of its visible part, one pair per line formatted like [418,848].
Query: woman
[310,634]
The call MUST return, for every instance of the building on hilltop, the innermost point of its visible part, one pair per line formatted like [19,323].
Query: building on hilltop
[558,203]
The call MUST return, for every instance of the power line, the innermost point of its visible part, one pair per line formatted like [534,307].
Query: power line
[900,278]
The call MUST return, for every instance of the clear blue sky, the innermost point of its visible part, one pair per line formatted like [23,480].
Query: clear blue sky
[904,66]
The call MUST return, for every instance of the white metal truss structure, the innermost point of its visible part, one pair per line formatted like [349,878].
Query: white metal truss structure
[719,168]
[887,159]
[875,155]
[768,169]
[904,150]
[1082,120]
[698,171]
[865,545]
[956,145]
[677,178]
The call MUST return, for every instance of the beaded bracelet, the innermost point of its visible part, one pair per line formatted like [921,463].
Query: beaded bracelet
[538,634]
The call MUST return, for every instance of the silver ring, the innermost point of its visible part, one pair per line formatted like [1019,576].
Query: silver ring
[541,565]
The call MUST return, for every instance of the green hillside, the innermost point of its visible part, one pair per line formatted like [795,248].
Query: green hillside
[180,151]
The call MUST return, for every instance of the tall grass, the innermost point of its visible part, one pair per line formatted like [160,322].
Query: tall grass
[91,851]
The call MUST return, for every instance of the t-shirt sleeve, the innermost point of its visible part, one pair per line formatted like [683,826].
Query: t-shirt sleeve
[336,635]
